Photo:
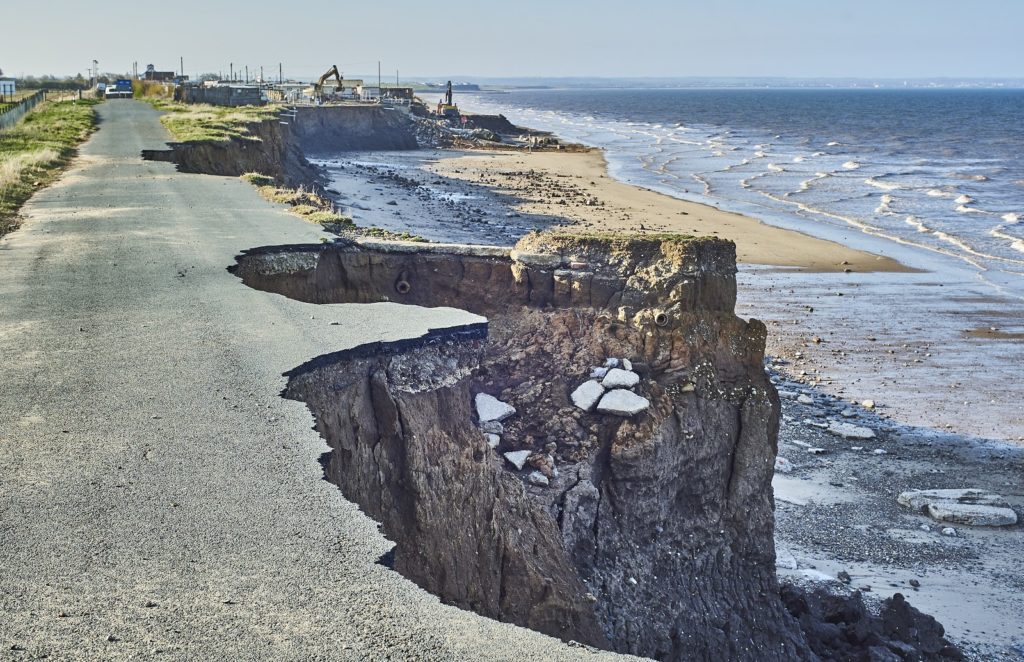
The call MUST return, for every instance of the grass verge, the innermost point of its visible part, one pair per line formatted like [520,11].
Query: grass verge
[200,122]
[318,209]
[34,151]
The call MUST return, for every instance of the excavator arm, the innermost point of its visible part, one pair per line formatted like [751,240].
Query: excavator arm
[331,73]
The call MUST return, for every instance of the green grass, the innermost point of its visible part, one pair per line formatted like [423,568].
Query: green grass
[33,152]
[216,124]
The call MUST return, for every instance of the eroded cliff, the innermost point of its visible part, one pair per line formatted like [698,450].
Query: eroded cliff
[653,532]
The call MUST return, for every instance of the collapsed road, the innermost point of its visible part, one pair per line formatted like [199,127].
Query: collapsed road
[160,497]
[157,496]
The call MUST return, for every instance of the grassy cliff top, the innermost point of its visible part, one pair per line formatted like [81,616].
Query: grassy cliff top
[33,151]
[205,123]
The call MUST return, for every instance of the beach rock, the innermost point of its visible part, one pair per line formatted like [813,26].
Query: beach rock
[611,363]
[518,458]
[848,413]
[622,403]
[782,465]
[805,399]
[969,506]
[627,364]
[868,404]
[789,395]
[598,373]
[489,408]
[850,431]
[619,378]
[587,394]
[537,478]
[949,532]
[492,440]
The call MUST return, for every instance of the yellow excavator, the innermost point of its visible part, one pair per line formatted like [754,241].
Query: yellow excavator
[318,87]
[446,107]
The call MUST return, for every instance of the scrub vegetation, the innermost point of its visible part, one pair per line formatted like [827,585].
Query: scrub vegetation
[205,123]
[34,151]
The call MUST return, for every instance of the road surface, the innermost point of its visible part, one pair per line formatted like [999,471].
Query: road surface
[158,499]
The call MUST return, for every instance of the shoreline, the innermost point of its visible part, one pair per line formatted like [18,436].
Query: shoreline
[623,206]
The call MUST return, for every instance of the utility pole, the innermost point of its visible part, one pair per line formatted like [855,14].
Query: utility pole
[261,74]
[246,74]
[181,61]
[378,76]
[280,73]
[231,65]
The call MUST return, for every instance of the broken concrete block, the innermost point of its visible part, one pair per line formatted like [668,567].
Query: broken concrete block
[619,378]
[518,458]
[489,408]
[492,440]
[587,394]
[622,403]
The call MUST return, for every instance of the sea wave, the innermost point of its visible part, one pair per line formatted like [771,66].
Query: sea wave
[1010,218]
[917,223]
[851,165]
[776,168]
[883,207]
[964,199]
[1016,243]
[936,193]
[885,186]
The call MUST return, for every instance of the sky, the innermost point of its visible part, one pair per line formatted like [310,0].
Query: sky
[525,38]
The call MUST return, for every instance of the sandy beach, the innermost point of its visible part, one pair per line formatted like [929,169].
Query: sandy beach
[576,185]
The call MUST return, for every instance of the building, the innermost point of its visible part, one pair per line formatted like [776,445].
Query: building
[153,74]
[6,86]
[400,93]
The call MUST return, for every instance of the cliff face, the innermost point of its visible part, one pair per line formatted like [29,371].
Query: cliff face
[326,130]
[654,533]
[275,153]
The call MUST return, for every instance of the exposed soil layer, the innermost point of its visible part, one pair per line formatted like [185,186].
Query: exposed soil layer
[333,129]
[269,150]
[278,148]
[653,534]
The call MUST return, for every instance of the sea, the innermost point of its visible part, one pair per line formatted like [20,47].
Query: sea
[933,170]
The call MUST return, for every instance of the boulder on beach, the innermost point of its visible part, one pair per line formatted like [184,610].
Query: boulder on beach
[850,431]
[968,506]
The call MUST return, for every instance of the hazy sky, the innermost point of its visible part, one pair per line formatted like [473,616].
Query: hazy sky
[792,38]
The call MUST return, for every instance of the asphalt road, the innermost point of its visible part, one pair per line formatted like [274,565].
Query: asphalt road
[158,499]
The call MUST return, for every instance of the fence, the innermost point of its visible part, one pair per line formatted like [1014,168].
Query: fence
[10,116]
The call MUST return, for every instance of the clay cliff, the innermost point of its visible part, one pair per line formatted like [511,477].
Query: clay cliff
[649,533]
